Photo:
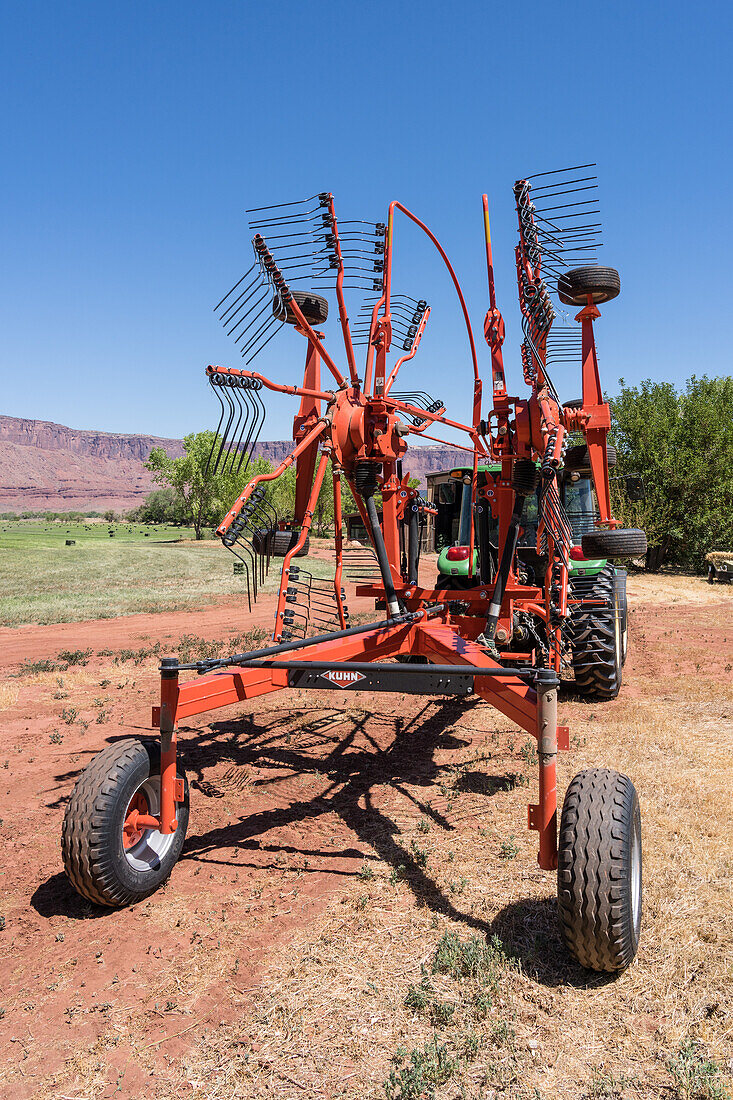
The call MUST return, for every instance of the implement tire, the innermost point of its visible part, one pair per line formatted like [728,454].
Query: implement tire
[619,543]
[282,541]
[595,637]
[577,461]
[599,870]
[104,862]
[313,307]
[602,283]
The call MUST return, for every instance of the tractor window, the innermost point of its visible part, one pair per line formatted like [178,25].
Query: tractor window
[580,504]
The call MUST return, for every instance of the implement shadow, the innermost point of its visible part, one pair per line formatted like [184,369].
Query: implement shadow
[351,771]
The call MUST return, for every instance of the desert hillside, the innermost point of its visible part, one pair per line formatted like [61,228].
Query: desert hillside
[46,465]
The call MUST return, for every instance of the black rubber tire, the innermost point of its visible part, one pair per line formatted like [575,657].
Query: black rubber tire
[599,870]
[525,477]
[91,838]
[313,307]
[262,541]
[577,460]
[576,403]
[603,283]
[284,540]
[622,610]
[623,542]
[595,638]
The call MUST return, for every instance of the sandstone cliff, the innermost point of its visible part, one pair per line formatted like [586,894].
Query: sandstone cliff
[45,465]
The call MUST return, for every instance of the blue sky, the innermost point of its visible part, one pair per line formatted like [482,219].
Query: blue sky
[135,136]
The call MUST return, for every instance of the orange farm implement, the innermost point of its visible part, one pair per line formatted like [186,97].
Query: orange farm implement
[504,630]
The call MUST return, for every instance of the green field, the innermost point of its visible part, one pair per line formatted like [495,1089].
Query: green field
[141,569]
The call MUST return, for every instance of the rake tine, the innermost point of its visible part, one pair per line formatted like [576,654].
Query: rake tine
[230,403]
[215,386]
[263,294]
[559,171]
[247,293]
[255,351]
[246,274]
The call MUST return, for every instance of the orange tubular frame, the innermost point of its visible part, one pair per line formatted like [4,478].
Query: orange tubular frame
[359,429]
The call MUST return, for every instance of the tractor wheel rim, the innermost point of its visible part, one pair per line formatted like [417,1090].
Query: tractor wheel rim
[635,855]
[145,849]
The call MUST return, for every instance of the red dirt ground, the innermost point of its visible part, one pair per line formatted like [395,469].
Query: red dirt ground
[289,795]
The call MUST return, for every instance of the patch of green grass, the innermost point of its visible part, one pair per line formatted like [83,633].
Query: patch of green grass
[417,1075]
[44,581]
[74,656]
[508,849]
[695,1076]
[477,958]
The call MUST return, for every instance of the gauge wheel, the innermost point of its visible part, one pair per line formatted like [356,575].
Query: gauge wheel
[109,857]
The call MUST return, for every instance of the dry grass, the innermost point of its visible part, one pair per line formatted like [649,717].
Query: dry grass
[675,588]
[356,1004]
[331,1016]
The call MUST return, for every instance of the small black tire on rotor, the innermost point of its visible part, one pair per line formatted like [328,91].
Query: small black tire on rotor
[613,544]
[283,541]
[103,864]
[525,477]
[599,879]
[313,307]
[602,283]
[577,459]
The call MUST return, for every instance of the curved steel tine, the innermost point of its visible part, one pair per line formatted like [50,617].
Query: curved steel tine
[215,385]
[240,394]
[225,436]
[267,341]
[257,400]
[264,294]
[246,274]
[249,290]
[252,334]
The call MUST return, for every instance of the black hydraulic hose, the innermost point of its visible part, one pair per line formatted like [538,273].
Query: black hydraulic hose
[507,557]
[380,550]
[289,647]
[413,544]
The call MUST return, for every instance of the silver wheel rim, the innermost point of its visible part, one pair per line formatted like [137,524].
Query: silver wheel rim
[635,878]
[153,846]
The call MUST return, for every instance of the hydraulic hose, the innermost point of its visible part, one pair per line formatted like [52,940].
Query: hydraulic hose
[507,556]
[365,481]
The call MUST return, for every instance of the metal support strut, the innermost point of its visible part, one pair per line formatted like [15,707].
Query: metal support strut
[543,817]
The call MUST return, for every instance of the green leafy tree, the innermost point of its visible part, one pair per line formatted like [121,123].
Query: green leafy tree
[682,445]
[201,495]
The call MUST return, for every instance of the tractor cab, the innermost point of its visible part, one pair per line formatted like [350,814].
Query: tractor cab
[452,527]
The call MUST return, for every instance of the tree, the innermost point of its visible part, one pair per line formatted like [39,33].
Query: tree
[160,506]
[201,495]
[682,445]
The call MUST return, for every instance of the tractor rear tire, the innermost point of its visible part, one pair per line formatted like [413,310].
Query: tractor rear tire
[599,870]
[595,638]
[313,307]
[104,862]
[577,460]
[602,283]
[618,543]
[283,541]
[622,610]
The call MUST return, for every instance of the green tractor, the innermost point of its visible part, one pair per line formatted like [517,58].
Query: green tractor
[597,636]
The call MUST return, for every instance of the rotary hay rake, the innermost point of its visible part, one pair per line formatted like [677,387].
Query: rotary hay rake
[505,635]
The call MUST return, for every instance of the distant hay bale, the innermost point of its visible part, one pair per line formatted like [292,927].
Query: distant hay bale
[719,557]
